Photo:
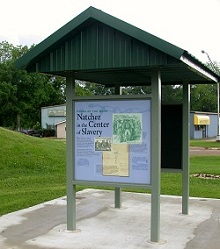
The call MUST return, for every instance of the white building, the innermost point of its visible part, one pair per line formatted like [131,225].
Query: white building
[61,129]
[52,115]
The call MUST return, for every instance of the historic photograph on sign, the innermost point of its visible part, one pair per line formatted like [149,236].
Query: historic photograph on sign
[103,143]
[127,128]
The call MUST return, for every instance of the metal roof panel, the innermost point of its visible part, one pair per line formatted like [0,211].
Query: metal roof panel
[96,46]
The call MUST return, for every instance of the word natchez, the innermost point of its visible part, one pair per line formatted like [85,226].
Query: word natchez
[92,123]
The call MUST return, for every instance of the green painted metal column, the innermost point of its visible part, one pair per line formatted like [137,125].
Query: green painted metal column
[185,147]
[155,154]
[118,91]
[71,189]
[117,197]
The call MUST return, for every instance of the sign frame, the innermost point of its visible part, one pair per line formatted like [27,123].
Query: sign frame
[86,116]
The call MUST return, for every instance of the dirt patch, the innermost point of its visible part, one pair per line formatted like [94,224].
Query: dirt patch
[206,176]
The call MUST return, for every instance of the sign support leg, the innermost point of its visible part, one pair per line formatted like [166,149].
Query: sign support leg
[70,143]
[117,197]
[118,91]
[185,152]
[156,155]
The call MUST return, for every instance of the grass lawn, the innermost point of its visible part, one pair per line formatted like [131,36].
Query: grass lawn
[33,170]
[209,188]
[205,143]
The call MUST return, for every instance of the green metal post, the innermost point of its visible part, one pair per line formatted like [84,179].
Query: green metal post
[156,154]
[185,152]
[118,91]
[117,197]
[71,189]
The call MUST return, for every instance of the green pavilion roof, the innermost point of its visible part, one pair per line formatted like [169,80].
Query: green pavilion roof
[97,47]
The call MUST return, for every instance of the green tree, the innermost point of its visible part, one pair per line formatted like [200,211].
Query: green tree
[95,89]
[23,94]
[9,52]
[204,98]
[172,94]
[137,90]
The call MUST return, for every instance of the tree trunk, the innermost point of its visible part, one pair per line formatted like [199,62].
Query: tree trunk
[18,122]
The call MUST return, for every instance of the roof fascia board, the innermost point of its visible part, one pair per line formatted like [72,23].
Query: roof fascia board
[198,67]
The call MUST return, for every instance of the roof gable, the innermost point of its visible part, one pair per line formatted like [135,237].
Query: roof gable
[98,47]
[85,21]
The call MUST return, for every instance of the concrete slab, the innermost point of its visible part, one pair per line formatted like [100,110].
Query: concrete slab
[100,225]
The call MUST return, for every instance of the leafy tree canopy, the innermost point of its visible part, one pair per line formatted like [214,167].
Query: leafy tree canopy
[23,94]
[204,97]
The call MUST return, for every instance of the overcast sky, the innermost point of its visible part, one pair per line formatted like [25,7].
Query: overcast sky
[190,24]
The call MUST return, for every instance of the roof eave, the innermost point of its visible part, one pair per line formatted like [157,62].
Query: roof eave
[199,67]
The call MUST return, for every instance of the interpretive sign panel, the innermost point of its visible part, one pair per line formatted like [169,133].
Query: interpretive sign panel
[112,140]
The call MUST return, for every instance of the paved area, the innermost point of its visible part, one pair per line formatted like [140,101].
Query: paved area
[101,226]
[199,151]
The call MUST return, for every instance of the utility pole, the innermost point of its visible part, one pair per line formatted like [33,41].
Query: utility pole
[215,71]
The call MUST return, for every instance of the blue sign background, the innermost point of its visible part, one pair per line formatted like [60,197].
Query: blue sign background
[94,119]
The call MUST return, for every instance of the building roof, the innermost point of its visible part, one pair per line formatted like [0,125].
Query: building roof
[97,47]
[52,106]
[61,122]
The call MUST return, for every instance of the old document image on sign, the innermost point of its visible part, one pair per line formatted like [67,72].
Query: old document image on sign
[116,161]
